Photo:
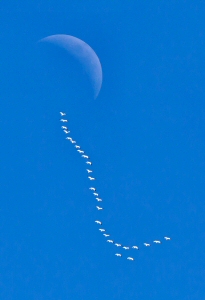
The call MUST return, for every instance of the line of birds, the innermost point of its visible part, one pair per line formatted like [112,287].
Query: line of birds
[93,189]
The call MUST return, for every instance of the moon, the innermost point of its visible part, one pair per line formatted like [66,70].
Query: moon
[84,54]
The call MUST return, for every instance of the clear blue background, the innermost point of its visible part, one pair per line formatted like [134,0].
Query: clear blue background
[144,133]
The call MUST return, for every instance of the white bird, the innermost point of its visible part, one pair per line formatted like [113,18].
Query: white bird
[66,131]
[73,142]
[99,208]
[130,258]
[98,222]
[126,248]
[106,235]
[147,245]
[92,189]
[91,178]
[88,163]
[102,230]
[95,194]
[135,247]
[80,151]
[157,242]
[85,156]
[118,245]
[118,254]
[110,241]
[89,171]
[62,113]
[167,238]
[68,138]
[77,147]
[64,127]
[99,199]
[63,120]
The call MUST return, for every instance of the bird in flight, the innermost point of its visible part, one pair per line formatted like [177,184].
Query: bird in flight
[167,238]
[118,254]
[80,151]
[64,127]
[89,171]
[110,241]
[95,194]
[99,208]
[106,235]
[85,156]
[130,258]
[91,178]
[118,245]
[77,147]
[88,163]
[62,113]
[66,131]
[63,120]
[92,189]
[135,247]
[126,248]
[99,199]
[73,142]
[147,245]
[102,230]
[157,242]
[98,222]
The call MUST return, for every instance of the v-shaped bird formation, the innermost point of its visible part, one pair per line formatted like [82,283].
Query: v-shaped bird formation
[96,195]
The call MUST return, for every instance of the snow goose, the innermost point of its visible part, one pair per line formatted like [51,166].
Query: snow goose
[99,208]
[135,247]
[98,222]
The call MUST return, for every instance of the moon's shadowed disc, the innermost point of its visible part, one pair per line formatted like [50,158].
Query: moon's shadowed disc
[83,53]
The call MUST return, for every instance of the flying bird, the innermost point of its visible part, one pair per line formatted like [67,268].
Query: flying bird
[68,138]
[99,199]
[91,178]
[92,189]
[63,120]
[73,142]
[99,208]
[77,147]
[98,222]
[102,230]
[157,242]
[85,156]
[118,245]
[135,247]
[130,258]
[88,163]
[167,238]
[118,254]
[126,248]
[80,151]
[147,245]
[66,131]
[110,241]
[95,194]
[62,113]
[106,235]
[64,127]
[89,171]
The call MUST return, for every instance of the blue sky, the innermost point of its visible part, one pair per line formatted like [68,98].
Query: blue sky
[144,134]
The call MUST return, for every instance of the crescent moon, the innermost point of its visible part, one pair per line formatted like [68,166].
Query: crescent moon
[83,53]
